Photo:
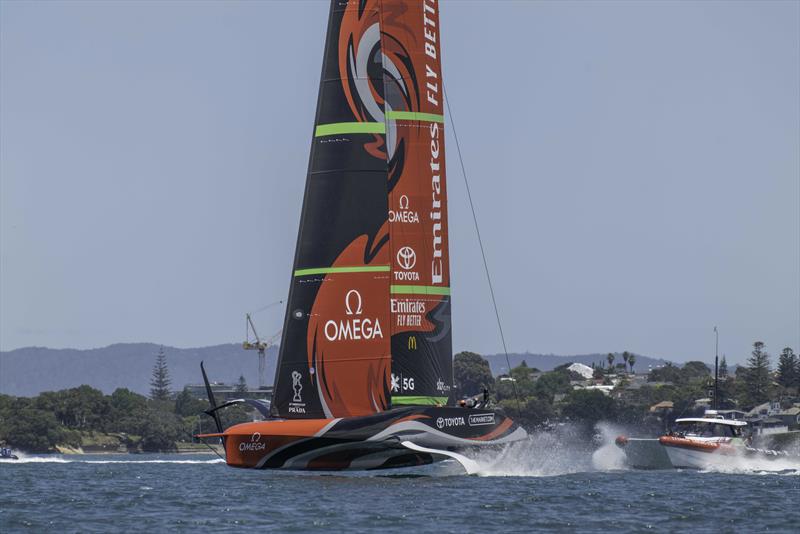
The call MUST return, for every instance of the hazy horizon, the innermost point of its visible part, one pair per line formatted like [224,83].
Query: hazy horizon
[635,168]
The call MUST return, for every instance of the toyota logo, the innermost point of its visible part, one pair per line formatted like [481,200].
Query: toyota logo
[440,422]
[406,258]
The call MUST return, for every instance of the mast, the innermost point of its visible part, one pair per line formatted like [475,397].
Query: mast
[716,369]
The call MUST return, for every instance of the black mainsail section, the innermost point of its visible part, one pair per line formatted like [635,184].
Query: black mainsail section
[335,356]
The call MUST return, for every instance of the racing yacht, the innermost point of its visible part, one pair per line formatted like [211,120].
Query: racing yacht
[364,378]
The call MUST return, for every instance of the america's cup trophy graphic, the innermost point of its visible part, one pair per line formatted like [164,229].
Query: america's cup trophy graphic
[297,386]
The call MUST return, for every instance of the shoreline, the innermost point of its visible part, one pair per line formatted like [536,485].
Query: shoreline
[69,451]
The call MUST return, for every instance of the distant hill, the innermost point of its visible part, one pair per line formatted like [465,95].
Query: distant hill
[31,370]
[548,362]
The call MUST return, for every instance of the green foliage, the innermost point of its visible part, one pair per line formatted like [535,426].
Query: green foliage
[161,432]
[690,372]
[757,377]
[550,384]
[186,405]
[81,408]
[723,368]
[588,406]
[472,373]
[788,369]
[694,370]
[83,416]
[532,413]
[33,430]
[236,415]
[159,384]
[668,373]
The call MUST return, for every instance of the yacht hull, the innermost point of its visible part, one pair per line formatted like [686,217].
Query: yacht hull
[367,442]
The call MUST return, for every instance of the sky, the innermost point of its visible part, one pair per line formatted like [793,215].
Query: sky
[635,168]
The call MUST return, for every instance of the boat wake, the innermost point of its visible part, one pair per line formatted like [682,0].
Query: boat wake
[747,465]
[23,459]
[565,450]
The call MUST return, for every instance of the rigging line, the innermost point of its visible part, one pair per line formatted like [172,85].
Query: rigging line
[268,306]
[206,444]
[480,243]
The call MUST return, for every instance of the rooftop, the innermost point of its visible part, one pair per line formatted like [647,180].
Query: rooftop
[711,421]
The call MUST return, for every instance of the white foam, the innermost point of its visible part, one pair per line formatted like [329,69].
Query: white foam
[57,459]
[744,464]
[559,452]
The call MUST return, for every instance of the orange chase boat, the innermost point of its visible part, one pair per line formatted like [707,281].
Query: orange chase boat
[364,376]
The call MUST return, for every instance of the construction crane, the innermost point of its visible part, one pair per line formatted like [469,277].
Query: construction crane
[260,346]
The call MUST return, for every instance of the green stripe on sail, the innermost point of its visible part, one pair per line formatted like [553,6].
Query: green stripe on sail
[420,290]
[357,269]
[413,116]
[419,400]
[349,128]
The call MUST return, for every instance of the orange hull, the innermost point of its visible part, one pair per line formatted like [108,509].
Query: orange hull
[695,445]
[367,442]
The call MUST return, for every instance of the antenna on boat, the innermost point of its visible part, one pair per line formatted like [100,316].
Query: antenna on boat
[716,370]
[480,243]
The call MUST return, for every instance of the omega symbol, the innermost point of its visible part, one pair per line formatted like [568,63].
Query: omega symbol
[347,307]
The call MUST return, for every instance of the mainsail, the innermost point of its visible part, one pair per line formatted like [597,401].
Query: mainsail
[368,316]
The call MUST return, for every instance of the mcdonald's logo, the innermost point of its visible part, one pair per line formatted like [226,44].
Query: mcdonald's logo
[412,342]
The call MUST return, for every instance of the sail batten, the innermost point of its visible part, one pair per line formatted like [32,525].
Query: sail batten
[350,128]
[333,270]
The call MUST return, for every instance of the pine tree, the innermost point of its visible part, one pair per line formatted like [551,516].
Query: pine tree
[723,368]
[159,384]
[757,377]
[241,386]
[787,368]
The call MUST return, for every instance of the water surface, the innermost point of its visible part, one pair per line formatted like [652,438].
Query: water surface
[523,490]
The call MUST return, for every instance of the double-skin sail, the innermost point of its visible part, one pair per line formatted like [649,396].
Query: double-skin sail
[368,316]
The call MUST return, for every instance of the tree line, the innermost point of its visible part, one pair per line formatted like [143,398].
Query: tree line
[540,399]
[76,417]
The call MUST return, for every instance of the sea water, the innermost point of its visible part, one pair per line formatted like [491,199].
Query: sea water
[541,484]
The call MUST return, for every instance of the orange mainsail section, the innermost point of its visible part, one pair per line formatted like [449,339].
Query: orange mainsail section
[418,237]
[348,337]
